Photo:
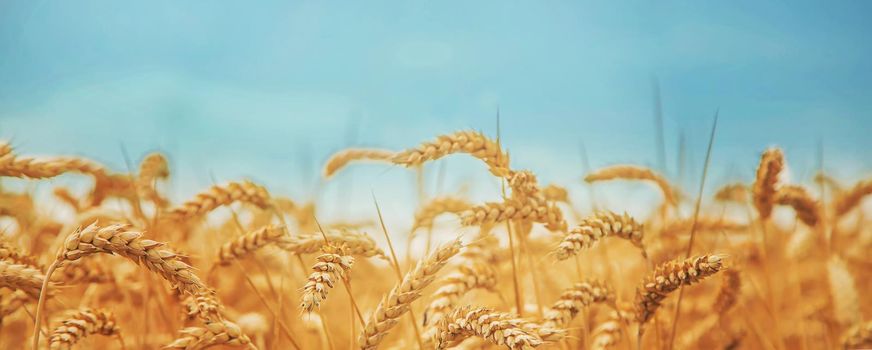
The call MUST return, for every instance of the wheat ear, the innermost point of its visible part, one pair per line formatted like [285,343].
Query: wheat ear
[473,143]
[12,253]
[766,182]
[670,276]
[342,158]
[534,209]
[555,193]
[634,172]
[332,266]
[574,298]
[216,196]
[116,239]
[807,208]
[731,289]
[80,324]
[214,333]
[354,242]
[21,277]
[438,206]
[398,301]
[153,167]
[732,193]
[454,286]
[851,198]
[203,304]
[496,327]
[13,166]
[858,336]
[598,226]
[248,243]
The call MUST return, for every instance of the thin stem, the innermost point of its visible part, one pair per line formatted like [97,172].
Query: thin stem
[41,303]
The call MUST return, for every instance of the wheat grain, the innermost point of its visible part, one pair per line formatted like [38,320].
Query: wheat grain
[473,143]
[80,324]
[340,159]
[203,304]
[670,276]
[598,226]
[766,182]
[398,301]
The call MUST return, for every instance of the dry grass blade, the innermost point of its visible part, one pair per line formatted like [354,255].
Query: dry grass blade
[398,301]
[342,158]
[83,323]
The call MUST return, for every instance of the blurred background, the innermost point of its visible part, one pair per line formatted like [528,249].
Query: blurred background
[269,91]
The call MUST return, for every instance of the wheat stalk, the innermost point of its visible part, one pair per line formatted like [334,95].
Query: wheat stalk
[670,276]
[766,182]
[80,324]
[340,159]
[634,172]
[473,143]
[573,299]
[398,301]
[598,226]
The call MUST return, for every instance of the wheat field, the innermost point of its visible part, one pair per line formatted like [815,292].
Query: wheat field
[768,264]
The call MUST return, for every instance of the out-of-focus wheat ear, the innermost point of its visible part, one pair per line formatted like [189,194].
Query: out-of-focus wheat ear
[851,198]
[635,172]
[473,143]
[340,159]
[81,324]
[216,196]
[843,290]
[858,337]
[766,183]
[797,197]
[152,168]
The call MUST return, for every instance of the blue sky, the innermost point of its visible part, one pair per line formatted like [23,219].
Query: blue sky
[269,91]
